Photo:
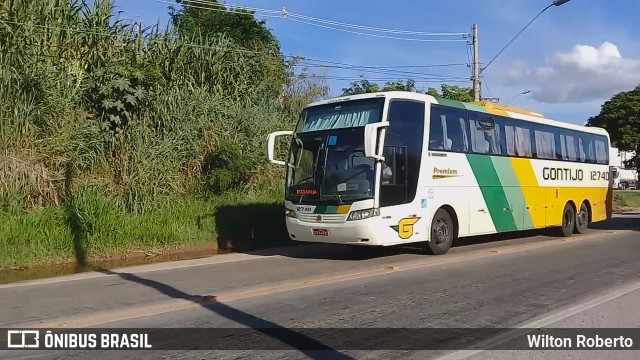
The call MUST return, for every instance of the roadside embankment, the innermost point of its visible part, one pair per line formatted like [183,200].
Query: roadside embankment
[97,231]
[626,201]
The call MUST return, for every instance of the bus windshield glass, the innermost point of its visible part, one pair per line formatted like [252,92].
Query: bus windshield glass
[327,162]
[330,168]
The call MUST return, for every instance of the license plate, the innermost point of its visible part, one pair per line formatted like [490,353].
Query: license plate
[321,232]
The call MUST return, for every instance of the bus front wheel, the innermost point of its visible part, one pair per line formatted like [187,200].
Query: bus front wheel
[442,232]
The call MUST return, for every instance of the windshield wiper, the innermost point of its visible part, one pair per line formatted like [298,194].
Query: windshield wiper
[332,184]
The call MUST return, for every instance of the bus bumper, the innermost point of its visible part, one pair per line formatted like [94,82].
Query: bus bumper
[359,232]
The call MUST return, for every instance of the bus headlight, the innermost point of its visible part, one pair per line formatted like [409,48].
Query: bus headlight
[363,214]
[289,213]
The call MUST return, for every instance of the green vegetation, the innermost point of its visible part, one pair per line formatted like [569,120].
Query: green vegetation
[452,92]
[620,116]
[115,138]
[627,199]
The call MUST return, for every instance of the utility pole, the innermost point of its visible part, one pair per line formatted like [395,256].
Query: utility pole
[476,64]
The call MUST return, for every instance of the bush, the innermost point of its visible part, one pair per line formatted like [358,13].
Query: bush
[116,139]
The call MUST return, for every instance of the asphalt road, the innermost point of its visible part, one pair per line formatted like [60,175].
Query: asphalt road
[486,282]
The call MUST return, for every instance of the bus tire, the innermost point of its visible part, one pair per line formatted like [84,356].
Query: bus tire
[442,231]
[568,221]
[582,219]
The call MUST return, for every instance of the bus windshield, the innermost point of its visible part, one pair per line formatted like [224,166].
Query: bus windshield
[330,168]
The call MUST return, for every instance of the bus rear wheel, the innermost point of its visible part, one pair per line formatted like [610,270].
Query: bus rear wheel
[582,219]
[568,220]
[442,232]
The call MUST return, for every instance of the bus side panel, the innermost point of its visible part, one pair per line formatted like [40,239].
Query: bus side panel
[554,206]
[498,194]
[449,180]
[572,182]
[559,196]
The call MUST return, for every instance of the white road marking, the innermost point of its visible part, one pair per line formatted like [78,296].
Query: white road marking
[549,319]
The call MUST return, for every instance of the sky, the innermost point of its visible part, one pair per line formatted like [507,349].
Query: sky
[572,58]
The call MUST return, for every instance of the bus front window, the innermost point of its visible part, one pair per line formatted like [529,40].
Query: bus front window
[330,167]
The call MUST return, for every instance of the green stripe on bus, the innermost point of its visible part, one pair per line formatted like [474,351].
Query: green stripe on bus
[513,192]
[475,107]
[451,103]
[325,209]
[492,192]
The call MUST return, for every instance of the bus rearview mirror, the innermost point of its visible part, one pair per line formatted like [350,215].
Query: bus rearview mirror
[371,139]
[271,144]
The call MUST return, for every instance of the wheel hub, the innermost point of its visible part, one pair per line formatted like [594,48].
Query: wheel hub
[567,219]
[441,232]
[582,218]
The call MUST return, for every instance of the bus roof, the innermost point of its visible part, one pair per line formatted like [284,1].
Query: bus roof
[480,106]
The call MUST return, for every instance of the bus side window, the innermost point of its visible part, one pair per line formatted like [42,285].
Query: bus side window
[518,140]
[436,133]
[602,155]
[568,150]
[585,148]
[394,166]
[448,130]
[456,131]
[545,143]
[485,136]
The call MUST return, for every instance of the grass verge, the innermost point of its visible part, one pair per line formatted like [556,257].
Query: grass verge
[627,199]
[97,228]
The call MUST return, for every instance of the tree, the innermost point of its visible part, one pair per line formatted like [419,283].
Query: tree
[410,85]
[452,92]
[620,116]
[239,25]
[360,87]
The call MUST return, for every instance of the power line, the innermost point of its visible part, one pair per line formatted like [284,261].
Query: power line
[378,70]
[555,3]
[386,66]
[220,8]
[284,13]
[484,82]
[290,16]
[369,28]
[375,35]
[383,79]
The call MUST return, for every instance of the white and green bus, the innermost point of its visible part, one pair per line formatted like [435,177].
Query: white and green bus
[394,168]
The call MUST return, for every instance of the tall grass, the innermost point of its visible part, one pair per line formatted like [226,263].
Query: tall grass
[627,199]
[115,137]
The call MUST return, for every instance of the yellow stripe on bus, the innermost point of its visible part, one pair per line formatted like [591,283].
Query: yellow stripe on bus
[343,209]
